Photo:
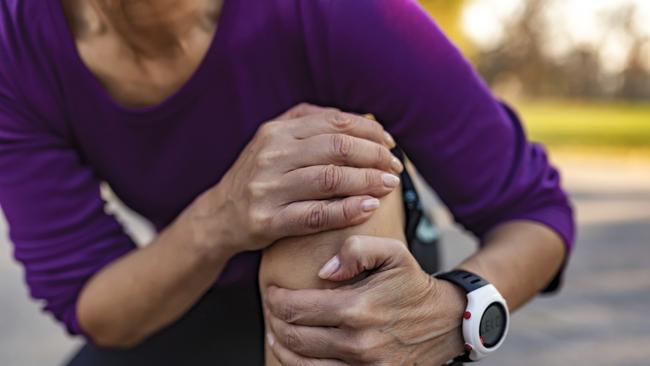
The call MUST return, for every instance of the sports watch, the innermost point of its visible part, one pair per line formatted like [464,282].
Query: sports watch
[486,319]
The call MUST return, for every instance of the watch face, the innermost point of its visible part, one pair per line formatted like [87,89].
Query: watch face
[493,325]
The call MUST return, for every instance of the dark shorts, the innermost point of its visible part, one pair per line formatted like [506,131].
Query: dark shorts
[226,327]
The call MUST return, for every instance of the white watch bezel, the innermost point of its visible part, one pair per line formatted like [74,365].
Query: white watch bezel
[477,302]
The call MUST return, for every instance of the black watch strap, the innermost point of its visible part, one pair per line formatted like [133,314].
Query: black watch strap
[469,282]
[466,280]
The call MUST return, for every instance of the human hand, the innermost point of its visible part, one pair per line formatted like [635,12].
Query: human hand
[398,315]
[310,170]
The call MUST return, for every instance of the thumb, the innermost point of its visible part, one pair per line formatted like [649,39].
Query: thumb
[363,253]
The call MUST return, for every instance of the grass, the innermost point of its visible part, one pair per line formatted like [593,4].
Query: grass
[588,126]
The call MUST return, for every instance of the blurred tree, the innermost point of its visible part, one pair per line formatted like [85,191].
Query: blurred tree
[520,59]
[636,77]
[520,65]
[580,74]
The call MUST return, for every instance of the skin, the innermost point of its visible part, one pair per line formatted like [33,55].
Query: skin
[141,51]
[398,315]
[386,226]
[284,185]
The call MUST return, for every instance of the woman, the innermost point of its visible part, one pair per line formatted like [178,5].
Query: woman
[165,100]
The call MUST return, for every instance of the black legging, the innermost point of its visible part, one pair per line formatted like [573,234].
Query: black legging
[226,327]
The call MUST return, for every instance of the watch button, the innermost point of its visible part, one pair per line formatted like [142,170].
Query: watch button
[467,315]
[468,347]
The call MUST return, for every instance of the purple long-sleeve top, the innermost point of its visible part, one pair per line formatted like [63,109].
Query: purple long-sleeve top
[61,134]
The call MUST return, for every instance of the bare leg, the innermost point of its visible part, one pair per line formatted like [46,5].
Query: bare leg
[294,263]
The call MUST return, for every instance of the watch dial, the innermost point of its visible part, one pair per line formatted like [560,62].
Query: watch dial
[493,325]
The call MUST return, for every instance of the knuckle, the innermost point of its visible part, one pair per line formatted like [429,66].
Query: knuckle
[287,312]
[354,247]
[269,158]
[341,146]
[362,344]
[348,347]
[340,121]
[257,189]
[266,128]
[262,161]
[366,345]
[382,155]
[269,130]
[317,216]
[292,339]
[372,179]
[330,178]
[349,210]
[301,108]
[260,219]
[356,315]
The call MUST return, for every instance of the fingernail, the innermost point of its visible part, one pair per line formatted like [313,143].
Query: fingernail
[389,139]
[270,339]
[396,165]
[370,204]
[330,267]
[390,181]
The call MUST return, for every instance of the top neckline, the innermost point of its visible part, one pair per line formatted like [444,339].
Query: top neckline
[185,93]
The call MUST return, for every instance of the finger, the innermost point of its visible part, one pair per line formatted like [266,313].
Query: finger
[308,217]
[341,149]
[289,358]
[311,307]
[364,253]
[317,342]
[339,123]
[331,181]
[302,110]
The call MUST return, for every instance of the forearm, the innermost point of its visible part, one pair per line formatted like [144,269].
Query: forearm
[520,258]
[149,288]
[281,185]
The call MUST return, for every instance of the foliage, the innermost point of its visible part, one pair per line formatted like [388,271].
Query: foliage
[522,61]
[589,125]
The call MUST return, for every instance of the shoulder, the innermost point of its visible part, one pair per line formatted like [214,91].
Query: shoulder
[366,17]
[250,21]
[297,17]
[377,24]
[369,28]
[28,75]
[21,27]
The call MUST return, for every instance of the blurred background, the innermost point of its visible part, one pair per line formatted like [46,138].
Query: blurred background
[578,71]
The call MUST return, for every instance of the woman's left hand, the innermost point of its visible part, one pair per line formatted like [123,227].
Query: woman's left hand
[398,315]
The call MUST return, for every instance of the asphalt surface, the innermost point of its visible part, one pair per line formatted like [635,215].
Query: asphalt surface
[599,318]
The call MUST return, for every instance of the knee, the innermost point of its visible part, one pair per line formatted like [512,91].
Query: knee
[294,262]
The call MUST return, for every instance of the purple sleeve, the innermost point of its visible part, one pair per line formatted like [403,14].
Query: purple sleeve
[387,57]
[52,203]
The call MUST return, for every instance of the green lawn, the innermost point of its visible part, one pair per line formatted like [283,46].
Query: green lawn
[588,125]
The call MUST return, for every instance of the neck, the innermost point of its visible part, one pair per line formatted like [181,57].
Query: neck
[157,27]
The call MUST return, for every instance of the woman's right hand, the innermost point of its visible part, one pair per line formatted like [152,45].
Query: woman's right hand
[312,169]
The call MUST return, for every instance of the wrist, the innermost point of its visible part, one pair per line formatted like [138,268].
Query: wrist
[486,319]
[211,232]
[446,305]
[455,301]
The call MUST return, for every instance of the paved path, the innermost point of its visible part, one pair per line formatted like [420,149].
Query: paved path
[600,318]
